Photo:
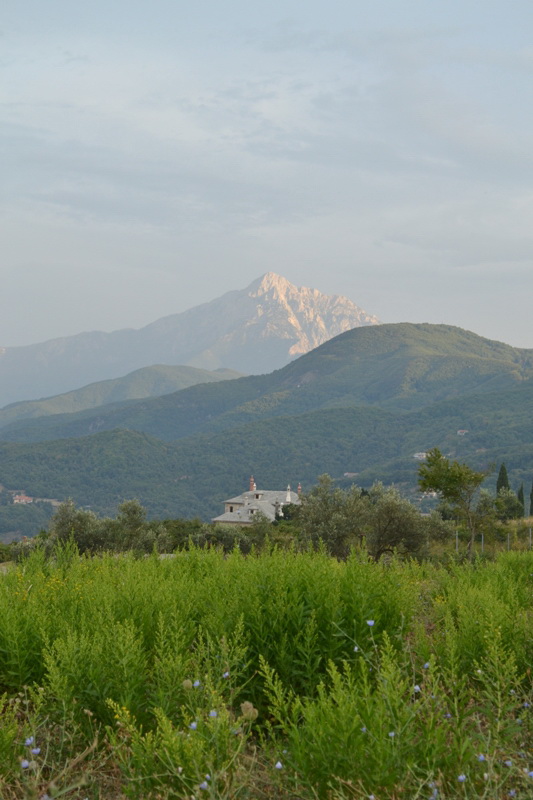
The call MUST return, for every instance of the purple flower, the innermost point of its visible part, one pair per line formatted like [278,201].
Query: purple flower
[525,705]
[35,751]
[370,622]
[481,757]
[416,688]
[196,684]
[24,763]
[426,665]
[213,713]
[204,785]
[29,741]
[461,778]
[512,793]
[226,675]
[508,762]
[278,765]
[363,729]
[193,726]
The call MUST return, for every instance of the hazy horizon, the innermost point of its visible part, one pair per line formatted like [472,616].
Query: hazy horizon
[158,156]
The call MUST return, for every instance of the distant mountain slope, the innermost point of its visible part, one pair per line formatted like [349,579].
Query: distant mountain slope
[193,476]
[398,367]
[146,382]
[253,331]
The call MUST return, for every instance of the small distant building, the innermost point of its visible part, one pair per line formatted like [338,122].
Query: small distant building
[461,432]
[420,456]
[244,509]
[22,499]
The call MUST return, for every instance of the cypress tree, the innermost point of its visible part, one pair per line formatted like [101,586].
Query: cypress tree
[503,479]
[531,501]
[520,495]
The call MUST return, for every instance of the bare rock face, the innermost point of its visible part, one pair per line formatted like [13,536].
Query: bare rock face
[255,330]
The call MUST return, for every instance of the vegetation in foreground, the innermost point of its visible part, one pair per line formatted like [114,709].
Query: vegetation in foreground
[281,674]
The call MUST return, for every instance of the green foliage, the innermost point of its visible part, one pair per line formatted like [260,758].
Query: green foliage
[502,481]
[508,505]
[284,673]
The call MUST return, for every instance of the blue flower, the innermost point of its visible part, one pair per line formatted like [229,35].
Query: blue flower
[35,751]
[29,741]
[392,734]
[204,785]
[24,763]
[508,762]
[226,675]
[363,729]
[426,665]
[481,757]
[530,774]
[370,622]
[461,778]
[525,705]
[193,726]
[278,765]
[208,777]
[196,684]
[213,713]
[355,649]
[416,688]
[512,793]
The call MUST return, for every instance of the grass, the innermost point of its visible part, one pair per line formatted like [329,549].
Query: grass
[280,675]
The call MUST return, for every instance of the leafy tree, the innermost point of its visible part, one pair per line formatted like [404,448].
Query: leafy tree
[502,481]
[394,524]
[455,483]
[333,516]
[84,527]
[508,505]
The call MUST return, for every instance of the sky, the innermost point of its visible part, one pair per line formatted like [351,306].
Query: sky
[156,155]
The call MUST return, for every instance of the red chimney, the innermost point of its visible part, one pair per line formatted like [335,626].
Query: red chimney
[252,483]
[299,488]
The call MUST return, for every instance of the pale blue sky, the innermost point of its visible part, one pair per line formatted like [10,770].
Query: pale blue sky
[155,155]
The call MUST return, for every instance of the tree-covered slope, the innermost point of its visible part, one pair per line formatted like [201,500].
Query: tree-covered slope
[399,367]
[154,381]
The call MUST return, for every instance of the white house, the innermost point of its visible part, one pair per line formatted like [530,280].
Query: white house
[243,509]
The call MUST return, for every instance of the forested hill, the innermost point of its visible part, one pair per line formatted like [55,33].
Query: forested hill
[401,367]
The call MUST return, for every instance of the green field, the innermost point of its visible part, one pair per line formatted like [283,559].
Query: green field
[281,675]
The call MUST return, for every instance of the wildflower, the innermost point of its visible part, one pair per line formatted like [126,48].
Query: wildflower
[530,774]
[187,684]
[512,793]
[363,729]
[29,741]
[447,715]
[278,765]
[35,751]
[426,665]
[512,691]
[525,705]
[204,785]
[370,622]
[24,763]
[416,688]
[461,778]
[392,734]
[208,777]
[193,726]
[196,684]
[225,675]
[213,713]
[356,649]
[508,762]
[371,797]
[481,757]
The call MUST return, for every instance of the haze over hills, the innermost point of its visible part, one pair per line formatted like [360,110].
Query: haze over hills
[400,367]
[255,330]
[146,382]
[364,402]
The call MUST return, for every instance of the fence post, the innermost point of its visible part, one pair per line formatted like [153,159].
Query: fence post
[457,540]
[482,541]
[508,540]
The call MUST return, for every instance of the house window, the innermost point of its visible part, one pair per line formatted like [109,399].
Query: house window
[231,508]
[257,497]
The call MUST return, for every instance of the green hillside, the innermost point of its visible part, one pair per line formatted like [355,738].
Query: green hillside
[399,367]
[152,381]
[311,417]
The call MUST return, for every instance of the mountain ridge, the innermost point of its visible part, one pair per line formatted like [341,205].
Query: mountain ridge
[257,329]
